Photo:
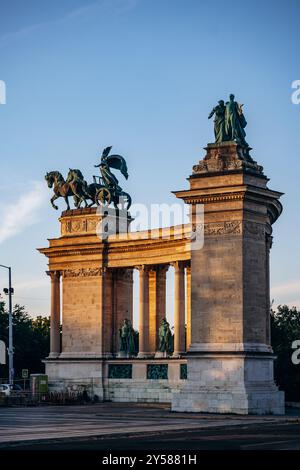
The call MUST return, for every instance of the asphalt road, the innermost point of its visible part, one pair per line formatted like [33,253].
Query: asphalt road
[111,426]
[252,437]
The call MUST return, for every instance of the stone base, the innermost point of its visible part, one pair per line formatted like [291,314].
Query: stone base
[160,354]
[94,376]
[76,374]
[240,384]
[236,402]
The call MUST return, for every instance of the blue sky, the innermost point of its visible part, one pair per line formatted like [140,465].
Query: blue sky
[141,75]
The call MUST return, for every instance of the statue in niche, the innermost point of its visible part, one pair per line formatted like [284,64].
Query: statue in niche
[126,333]
[165,337]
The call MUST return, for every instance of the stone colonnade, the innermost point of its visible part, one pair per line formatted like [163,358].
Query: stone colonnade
[116,287]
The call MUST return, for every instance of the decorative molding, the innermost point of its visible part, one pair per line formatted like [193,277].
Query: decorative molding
[80,225]
[83,272]
[233,227]
[216,198]
[255,230]
[55,275]
[227,156]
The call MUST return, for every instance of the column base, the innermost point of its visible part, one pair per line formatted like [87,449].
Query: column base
[160,354]
[240,384]
[178,354]
[144,355]
[53,355]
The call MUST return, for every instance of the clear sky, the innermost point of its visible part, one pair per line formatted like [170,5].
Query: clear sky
[141,75]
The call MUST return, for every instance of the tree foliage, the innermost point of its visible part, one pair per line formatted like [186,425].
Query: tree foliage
[285,327]
[31,337]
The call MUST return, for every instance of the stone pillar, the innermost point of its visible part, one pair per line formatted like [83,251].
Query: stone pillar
[107,326]
[269,239]
[157,303]
[87,327]
[55,347]
[230,360]
[188,307]
[122,302]
[179,310]
[144,313]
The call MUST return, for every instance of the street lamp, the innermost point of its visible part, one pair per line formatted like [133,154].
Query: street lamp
[10,292]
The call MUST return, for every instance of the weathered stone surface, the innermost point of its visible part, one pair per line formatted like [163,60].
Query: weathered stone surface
[230,288]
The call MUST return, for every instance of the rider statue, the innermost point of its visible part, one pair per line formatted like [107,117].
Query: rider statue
[111,161]
[101,192]
[109,178]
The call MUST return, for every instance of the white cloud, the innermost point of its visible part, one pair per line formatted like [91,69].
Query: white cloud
[15,217]
[287,293]
[287,288]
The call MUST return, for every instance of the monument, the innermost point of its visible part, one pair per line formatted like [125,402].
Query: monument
[230,360]
[220,358]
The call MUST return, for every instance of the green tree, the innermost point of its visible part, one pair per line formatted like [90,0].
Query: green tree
[31,340]
[285,328]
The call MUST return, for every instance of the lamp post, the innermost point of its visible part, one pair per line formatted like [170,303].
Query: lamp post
[10,292]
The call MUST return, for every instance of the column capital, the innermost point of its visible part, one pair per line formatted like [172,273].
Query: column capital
[162,268]
[54,275]
[143,268]
[178,265]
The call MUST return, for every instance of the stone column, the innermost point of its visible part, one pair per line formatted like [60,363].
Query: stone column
[230,360]
[122,302]
[55,348]
[144,313]
[179,310]
[157,303]
[188,307]
[269,241]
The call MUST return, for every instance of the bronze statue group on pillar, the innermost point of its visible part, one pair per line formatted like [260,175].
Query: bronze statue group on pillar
[104,190]
[229,122]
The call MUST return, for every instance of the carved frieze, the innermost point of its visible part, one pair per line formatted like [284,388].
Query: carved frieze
[83,272]
[79,225]
[221,157]
[232,227]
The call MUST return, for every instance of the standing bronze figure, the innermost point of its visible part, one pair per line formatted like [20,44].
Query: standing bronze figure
[235,122]
[219,122]
[229,122]
[165,337]
[126,333]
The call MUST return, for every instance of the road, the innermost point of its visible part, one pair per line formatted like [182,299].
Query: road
[141,426]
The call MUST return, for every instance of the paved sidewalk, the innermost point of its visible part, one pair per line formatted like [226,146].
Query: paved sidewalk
[51,423]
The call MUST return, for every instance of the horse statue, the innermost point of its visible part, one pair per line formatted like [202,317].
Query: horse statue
[104,190]
[62,188]
[95,192]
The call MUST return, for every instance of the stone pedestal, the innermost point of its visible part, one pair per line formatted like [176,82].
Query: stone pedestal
[230,361]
